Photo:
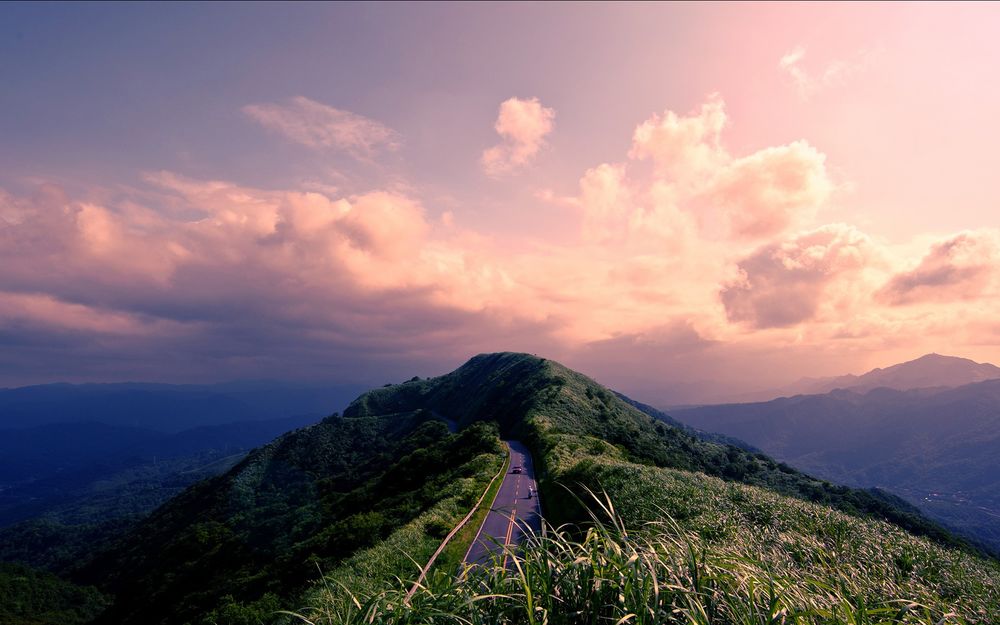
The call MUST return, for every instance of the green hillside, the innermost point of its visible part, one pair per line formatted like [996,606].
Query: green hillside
[687,549]
[367,497]
[234,548]
[31,597]
[937,447]
[567,418]
[739,519]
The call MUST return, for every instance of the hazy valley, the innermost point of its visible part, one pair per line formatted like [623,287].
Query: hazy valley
[926,430]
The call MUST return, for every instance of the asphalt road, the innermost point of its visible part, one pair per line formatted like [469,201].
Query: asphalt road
[512,510]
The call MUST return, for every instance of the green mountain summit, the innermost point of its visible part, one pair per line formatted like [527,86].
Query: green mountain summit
[366,497]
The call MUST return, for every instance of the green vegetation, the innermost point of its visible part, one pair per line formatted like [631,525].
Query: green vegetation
[739,556]
[938,448]
[103,510]
[732,529]
[72,489]
[364,493]
[29,597]
[567,418]
[454,552]
[707,532]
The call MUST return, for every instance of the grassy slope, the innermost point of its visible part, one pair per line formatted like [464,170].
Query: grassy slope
[230,549]
[389,563]
[796,540]
[454,552]
[687,549]
[915,443]
[566,417]
[738,504]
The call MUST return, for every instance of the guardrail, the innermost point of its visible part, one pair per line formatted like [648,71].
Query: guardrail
[457,528]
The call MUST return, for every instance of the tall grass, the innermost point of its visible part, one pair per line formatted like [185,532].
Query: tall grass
[658,573]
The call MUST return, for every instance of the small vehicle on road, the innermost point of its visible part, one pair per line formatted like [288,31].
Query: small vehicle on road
[517,470]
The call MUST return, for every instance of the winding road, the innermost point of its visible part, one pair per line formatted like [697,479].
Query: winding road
[512,510]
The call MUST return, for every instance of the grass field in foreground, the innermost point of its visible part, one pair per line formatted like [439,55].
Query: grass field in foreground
[735,555]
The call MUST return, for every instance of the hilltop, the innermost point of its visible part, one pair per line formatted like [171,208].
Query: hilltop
[359,495]
[832,548]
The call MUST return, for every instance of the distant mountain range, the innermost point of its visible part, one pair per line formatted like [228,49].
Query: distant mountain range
[45,466]
[81,462]
[929,371]
[905,428]
[169,407]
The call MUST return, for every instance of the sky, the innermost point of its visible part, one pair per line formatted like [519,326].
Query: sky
[685,201]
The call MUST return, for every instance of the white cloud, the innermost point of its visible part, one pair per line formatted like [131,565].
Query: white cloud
[522,124]
[683,148]
[321,127]
[755,196]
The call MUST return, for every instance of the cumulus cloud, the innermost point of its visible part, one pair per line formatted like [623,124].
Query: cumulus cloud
[664,239]
[617,210]
[606,200]
[227,262]
[33,312]
[700,261]
[245,281]
[522,125]
[962,267]
[755,196]
[768,191]
[322,127]
[684,148]
[783,284]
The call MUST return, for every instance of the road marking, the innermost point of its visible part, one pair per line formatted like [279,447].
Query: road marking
[510,531]
[515,459]
[510,525]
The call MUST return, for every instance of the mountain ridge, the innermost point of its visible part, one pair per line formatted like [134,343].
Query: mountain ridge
[928,371]
[362,493]
[936,447]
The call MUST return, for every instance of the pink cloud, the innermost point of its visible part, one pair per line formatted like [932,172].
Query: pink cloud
[683,148]
[522,125]
[770,190]
[783,284]
[249,281]
[320,127]
[243,281]
[210,252]
[704,253]
[40,311]
[755,196]
[606,200]
[963,267]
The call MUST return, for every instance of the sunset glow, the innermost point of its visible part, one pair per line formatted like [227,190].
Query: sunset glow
[685,201]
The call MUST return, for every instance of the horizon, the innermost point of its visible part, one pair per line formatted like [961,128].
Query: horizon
[663,403]
[681,201]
